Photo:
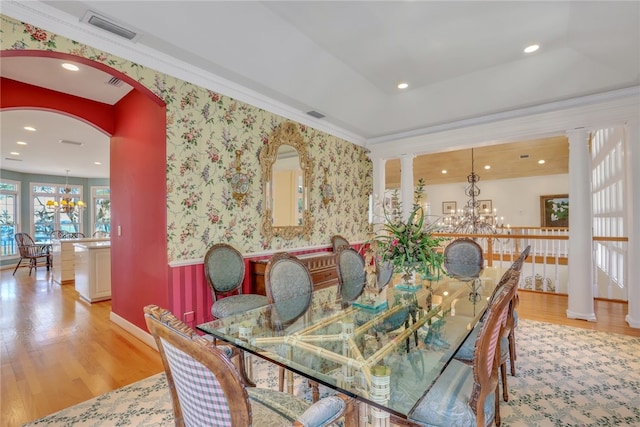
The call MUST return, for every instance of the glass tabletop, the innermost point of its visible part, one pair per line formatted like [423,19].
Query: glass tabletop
[388,358]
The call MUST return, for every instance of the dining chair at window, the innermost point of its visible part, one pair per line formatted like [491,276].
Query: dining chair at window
[30,251]
[207,389]
[351,275]
[337,241]
[463,260]
[57,234]
[74,235]
[287,302]
[224,271]
[469,395]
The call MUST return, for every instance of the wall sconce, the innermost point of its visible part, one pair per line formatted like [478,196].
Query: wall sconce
[326,190]
[239,181]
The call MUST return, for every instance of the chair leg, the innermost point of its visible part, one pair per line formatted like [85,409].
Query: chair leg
[16,269]
[512,351]
[281,379]
[496,417]
[315,392]
[503,374]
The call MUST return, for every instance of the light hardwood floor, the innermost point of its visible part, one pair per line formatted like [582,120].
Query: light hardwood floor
[58,351]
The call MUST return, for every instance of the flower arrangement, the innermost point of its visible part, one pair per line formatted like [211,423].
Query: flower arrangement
[409,245]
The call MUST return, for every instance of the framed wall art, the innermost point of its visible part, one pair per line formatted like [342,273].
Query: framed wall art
[485,207]
[554,210]
[449,208]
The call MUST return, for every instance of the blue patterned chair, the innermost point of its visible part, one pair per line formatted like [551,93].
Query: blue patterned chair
[289,290]
[467,395]
[351,275]
[224,272]
[384,274]
[338,241]
[207,389]
[463,260]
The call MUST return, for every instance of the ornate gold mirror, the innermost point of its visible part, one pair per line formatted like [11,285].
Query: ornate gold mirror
[286,180]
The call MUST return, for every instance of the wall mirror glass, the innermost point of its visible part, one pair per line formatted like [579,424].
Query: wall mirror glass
[286,180]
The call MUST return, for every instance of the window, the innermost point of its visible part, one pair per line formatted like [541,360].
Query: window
[9,191]
[101,209]
[608,189]
[46,218]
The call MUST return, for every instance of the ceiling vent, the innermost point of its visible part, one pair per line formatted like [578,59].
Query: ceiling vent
[107,24]
[13,158]
[114,81]
[315,114]
[66,141]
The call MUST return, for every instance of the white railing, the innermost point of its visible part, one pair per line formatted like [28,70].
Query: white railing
[546,268]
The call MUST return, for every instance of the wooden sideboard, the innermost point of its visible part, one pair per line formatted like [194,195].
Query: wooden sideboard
[321,265]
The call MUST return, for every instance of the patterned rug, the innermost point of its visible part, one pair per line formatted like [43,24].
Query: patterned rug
[564,377]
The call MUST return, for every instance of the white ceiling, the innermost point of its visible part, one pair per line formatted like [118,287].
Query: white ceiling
[462,59]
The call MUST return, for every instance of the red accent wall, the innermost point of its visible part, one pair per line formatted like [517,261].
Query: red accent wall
[18,95]
[139,208]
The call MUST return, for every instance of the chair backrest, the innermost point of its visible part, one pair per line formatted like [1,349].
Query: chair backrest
[57,234]
[463,259]
[337,241]
[74,235]
[223,269]
[205,386]
[384,273]
[486,357]
[289,289]
[351,275]
[23,240]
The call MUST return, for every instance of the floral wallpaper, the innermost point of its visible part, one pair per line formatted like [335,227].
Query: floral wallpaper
[204,130]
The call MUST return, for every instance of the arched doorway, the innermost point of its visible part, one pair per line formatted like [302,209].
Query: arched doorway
[137,126]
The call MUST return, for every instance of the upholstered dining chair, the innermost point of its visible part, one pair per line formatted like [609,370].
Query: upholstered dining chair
[224,271]
[507,341]
[467,395]
[74,235]
[337,241]
[289,290]
[31,252]
[351,275]
[207,389]
[463,260]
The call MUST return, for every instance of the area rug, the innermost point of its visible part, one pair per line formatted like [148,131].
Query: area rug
[564,377]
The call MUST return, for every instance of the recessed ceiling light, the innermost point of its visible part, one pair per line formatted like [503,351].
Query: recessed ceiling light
[541,162]
[14,153]
[97,163]
[531,49]
[444,171]
[403,85]
[70,67]
[21,143]
[30,128]
[487,167]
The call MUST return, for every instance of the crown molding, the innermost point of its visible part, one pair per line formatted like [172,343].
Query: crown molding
[46,17]
[594,111]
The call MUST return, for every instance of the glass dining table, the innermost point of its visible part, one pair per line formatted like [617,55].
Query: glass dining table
[386,359]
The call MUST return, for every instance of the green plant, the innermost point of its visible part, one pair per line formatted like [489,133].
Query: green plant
[409,245]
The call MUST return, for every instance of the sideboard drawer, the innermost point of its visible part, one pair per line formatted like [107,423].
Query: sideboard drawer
[321,265]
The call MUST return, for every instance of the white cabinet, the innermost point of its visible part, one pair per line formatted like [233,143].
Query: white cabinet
[93,270]
[64,258]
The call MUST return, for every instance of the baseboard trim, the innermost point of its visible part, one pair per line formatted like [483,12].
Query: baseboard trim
[140,334]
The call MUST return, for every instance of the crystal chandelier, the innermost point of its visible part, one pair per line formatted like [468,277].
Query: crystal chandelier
[473,219]
[67,203]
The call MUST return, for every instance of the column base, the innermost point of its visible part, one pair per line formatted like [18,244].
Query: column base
[591,317]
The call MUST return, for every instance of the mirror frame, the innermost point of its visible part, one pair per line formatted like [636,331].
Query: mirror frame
[287,133]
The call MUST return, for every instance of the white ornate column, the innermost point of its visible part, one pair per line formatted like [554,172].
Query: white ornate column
[580,287]
[632,150]
[379,186]
[406,184]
